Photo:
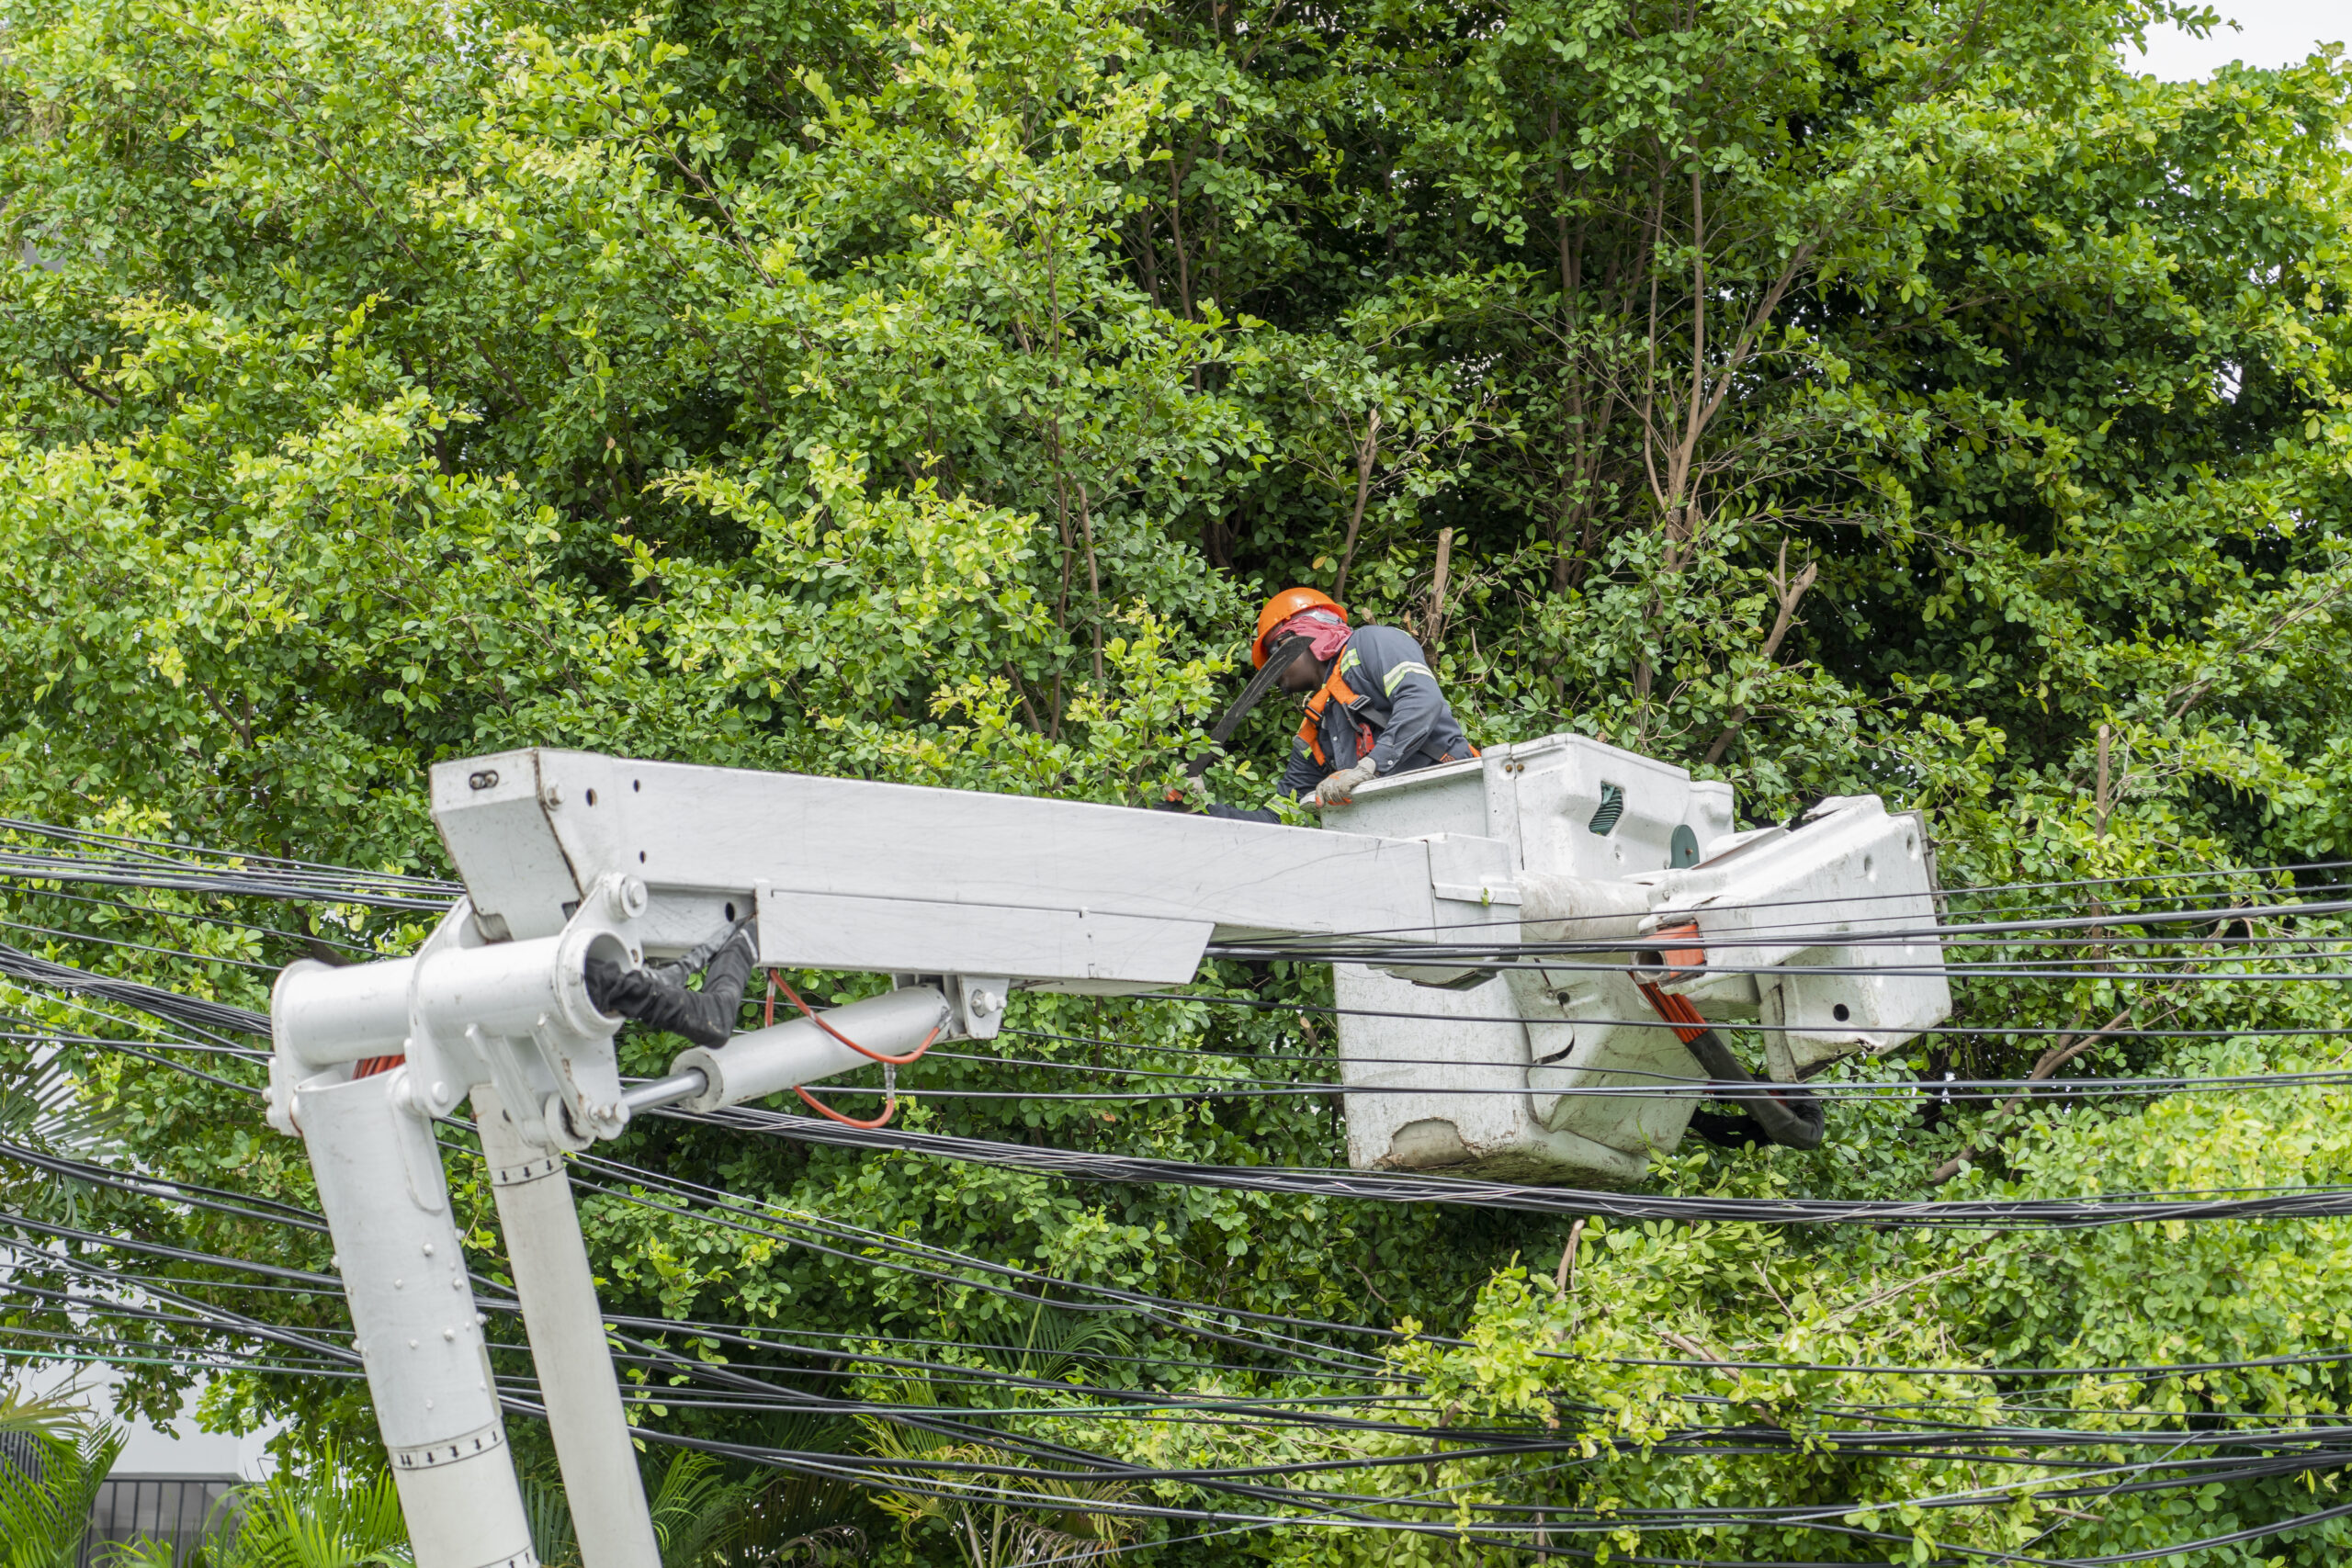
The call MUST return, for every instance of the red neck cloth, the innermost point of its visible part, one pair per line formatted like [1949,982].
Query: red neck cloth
[1326,634]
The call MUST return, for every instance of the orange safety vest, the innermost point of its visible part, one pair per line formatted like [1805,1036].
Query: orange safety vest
[1310,728]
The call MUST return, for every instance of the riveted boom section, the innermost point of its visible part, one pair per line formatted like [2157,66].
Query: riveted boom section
[849,873]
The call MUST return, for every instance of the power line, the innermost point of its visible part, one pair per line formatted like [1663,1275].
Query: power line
[2022,1031]
[1675,1519]
[1399,1187]
[911,1259]
[201,916]
[242,1205]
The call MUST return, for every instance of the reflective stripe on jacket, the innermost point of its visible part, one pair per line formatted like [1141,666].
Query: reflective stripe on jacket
[1380,700]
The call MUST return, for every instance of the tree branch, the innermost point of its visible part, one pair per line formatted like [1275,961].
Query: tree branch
[2062,1051]
[1788,594]
[1367,454]
[1436,623]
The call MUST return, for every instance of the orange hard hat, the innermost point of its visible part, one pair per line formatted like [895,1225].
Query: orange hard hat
[1282,607]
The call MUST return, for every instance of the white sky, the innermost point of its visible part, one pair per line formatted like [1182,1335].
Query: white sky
[2270,32]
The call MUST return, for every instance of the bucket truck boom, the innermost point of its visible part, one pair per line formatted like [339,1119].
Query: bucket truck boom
[1604,860]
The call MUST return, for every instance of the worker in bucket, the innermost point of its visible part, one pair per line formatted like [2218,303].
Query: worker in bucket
[1373,707]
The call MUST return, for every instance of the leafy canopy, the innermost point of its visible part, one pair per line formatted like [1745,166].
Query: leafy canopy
[1830,395]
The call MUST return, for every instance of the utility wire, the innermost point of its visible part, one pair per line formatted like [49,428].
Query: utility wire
[1398,1186]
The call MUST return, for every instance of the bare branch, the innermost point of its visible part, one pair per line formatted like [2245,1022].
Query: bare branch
[1788,594]
[2064,1050]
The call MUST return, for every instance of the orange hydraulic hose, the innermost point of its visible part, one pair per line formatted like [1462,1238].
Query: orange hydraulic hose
[890,1103]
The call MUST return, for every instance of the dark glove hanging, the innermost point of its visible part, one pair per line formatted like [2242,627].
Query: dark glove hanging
[1786,1115]
[658,996]
[1726,1130]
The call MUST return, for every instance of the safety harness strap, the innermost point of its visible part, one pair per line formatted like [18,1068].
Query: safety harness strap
[1310,728]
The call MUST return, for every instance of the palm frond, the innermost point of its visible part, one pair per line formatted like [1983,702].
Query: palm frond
[41,1102]
[796,1517]
[697,1510]
[1055,1340]
[50,1415]
[322,1517]
[827,1547]
[44,1514]
[144,1553]
[1030,1521]
[554,1538]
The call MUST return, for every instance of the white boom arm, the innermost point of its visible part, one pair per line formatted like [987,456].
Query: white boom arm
[962,897]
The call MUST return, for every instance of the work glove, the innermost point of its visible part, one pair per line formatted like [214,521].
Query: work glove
[1342,786]
[1188,793]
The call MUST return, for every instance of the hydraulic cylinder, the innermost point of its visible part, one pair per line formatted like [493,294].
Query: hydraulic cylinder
[772,1060]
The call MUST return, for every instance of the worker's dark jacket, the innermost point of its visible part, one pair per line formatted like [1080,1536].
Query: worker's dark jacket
[1380,689]
[1380,699]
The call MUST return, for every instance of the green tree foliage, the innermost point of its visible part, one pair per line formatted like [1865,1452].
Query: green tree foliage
[1888,396]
